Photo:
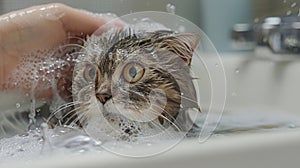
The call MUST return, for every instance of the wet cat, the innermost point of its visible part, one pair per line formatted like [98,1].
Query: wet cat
[127,82]
[136,79]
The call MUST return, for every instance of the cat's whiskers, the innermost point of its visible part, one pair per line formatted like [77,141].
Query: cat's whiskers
[165,112]
[61,108]
[164,117]
[196,78]
[79,118]
[72,45]
[67,114]
[126,91]
[77,38]
[184,97]
[158,126]
[73,114]
[78,53]
[161,127]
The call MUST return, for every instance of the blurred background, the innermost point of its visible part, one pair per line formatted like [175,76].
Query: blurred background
[215,17]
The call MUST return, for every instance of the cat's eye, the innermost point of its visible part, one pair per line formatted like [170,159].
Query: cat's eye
[133,72]
[90,72]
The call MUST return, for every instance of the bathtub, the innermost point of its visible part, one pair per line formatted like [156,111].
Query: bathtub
[255,82]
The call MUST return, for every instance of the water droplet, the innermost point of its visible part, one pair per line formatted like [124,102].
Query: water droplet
[82,151]
[292,126]
[289,12]
[217,65]
[293,4]
[153,54]
[97,143]
[24,135]
[237,71]
[109,14]
[171,8]
[145,20]
[18,105]
[181,29]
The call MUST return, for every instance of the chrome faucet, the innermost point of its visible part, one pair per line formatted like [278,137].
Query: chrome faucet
[280,34]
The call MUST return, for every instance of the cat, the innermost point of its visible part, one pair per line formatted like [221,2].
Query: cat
[129,82]
[135,79]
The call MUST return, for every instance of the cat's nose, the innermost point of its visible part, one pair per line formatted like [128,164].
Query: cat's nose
[103,97]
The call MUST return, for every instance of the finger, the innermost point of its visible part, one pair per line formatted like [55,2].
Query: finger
[79,21]
[45,26]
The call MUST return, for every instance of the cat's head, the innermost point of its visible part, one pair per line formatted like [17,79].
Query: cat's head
[144,77]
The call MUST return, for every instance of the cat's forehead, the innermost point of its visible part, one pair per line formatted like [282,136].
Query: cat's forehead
[130,44]
[117,47]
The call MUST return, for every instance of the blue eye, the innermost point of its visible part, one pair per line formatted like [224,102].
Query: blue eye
[133,72]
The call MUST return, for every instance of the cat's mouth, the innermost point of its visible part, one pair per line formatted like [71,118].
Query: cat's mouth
[131,112]
[110,121]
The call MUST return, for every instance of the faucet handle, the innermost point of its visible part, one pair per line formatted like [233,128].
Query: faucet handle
[263,30]
[290,31]
[242,37]
[281,34]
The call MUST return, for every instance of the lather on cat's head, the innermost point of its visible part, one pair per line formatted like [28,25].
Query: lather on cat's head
[144,76]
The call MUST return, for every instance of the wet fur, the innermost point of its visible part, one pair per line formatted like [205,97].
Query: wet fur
[168,71]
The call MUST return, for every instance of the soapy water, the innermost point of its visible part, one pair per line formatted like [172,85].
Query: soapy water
[44,142]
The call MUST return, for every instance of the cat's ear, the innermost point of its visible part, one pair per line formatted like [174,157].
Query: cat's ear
[184,45]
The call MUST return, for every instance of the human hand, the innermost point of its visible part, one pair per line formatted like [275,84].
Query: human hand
[39,28]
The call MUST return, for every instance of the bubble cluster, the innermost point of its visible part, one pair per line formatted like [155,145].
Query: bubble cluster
[40,70]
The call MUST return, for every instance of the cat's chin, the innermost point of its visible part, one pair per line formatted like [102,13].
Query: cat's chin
[107,123]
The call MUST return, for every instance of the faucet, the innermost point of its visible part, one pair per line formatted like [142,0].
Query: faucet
[279,34]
